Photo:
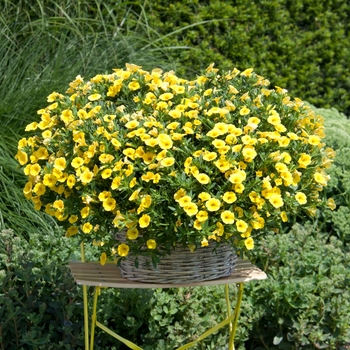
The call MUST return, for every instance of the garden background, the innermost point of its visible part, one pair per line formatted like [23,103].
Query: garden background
[300,45]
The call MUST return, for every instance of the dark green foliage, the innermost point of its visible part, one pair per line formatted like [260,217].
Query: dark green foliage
[337,222]
[40,305]
[306,299]
[179,316]
[301,45]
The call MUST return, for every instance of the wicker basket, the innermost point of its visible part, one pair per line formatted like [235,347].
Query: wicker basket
[182,266]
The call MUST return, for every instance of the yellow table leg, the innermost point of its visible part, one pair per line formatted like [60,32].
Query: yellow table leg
[86,314]
[94,318]
[236,314]
[228,305]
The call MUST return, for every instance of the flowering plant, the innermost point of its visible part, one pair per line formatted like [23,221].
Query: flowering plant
[170,161]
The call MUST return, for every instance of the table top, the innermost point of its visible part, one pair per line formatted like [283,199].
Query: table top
[109,275]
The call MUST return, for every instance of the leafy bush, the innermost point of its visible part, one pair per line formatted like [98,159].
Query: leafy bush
[41,307]
[338,137]
[301,45]
[181,315]
[306,298]
[40,303]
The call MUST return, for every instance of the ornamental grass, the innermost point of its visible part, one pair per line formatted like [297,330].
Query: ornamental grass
[168,161]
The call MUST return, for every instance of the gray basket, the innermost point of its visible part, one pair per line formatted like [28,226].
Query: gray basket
[182,266]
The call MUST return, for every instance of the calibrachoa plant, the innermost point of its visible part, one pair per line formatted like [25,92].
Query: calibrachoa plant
[168,161]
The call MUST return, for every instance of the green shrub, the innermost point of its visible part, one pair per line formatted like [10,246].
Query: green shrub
[306,299]
[301,45]
[179,316]
[40,304]
[337,137]
[41,307]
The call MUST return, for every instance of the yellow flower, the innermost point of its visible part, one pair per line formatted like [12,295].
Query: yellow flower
[22,157]
[132,124]
[184,201]
[210,156]
[86,176]
[191,209]
[219,143]
[214,133]
[223,165]
[58,205]
[144,220]
[166,97]
[165,141]
[237,176]
[314,140]
[241,226]
[105,158]
[28,188]
[104,195]
[50,180]
[175,113]
[281,167]
[284,141]
[249,243]
[152,142]
[169,161]
[132,233]
[67,116]
[129,152]
[244,111]
[284,216]
[148,157]
[39,189]
[109,204]
[151,244]
[34,169]
[85,212]
[115,183]
[276,200]
[301,197]
[304,160]
[94,97]
[213,204]
[204,242]
[123,249]
[179,194]
[249,153]
[229,197]
[87,227]
[71,231]
[274,118]
[106,173]
[77,162]
[204,196]
[331,204]
[197,225]
[103,258]
[227,217]
[73,218]
[134,85]
[134,195]
[202,178]
[319,178]
[202,216]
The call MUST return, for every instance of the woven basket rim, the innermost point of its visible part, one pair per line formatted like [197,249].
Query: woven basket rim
[182,265]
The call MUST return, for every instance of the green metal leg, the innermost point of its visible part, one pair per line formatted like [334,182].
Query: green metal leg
[93,318]
[236,314]
[86,312]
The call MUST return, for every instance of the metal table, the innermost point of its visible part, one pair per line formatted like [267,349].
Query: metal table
[108,275]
